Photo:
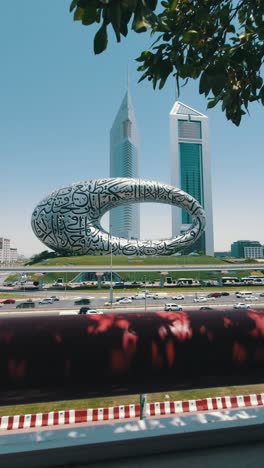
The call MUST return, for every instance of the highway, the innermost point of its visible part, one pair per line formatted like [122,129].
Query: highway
[66,303]
[131,268]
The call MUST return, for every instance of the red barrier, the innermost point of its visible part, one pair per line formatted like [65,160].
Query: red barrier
[67,357]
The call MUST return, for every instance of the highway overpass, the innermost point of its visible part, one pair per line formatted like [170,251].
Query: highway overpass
[131,268]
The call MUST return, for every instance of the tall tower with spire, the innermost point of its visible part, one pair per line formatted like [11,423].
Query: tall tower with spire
[124,220]
[191,170]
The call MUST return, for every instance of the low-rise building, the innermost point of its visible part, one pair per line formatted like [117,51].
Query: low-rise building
[247,249]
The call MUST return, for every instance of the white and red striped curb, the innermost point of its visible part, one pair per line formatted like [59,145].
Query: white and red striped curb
[55,418]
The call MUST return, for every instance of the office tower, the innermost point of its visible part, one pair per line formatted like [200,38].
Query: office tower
[7,254]
[191,171]
[124,220]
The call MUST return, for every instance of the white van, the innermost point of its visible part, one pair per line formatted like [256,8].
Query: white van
[160,296]
[139,296]
[243,294]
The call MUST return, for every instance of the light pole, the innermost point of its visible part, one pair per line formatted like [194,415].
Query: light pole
[143,405]
[145,295]
[65,284]
[99,275]
[111,267]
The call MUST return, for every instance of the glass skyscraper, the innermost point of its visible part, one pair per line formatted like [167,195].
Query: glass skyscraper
[191,170]
[124,220]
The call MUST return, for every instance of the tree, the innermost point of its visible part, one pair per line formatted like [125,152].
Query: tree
[219,42]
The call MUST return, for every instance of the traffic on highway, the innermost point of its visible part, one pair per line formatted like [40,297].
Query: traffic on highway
[65,303]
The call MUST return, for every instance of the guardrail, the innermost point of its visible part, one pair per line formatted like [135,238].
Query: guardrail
[67,357]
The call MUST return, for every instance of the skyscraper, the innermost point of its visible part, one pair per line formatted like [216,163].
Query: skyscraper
[190,169]
[124,220]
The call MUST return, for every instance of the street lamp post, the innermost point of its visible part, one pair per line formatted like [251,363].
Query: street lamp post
[145,295]
[99,275]
[143,396]
[111,267]
[162,280]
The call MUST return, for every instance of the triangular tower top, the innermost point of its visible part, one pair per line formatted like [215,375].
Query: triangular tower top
[180,108]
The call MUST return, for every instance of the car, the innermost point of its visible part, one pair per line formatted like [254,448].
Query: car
[214,294]
[160,296]
[261,295]
[139,296]
[82,301]
[94,312]
[242,305]
[8,301]
[47,300]
[126,300]
[251,298]
[55,298]
[25,305]
[180,297]
[206,308]
[200,299]
[88,311]
[172,306]
[224,293]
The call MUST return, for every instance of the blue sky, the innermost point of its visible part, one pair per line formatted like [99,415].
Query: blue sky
[58,102]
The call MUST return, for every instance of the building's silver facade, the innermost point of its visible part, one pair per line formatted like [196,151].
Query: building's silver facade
[69,219]
[125,220]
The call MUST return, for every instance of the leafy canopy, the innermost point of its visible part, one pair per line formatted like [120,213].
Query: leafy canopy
[221,43]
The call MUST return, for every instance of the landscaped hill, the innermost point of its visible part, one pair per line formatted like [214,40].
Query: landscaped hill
[124,260]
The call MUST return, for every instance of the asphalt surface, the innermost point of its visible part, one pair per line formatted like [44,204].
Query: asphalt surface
[66,303]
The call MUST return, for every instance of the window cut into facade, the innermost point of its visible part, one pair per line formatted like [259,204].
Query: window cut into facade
[191,171]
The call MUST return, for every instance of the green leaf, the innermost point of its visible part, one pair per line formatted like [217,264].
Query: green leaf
[190,37]
[218,83]
[73,5]
[90,15]
[212,103]
[115,17]
[100,40]
[78,14]
[204,85]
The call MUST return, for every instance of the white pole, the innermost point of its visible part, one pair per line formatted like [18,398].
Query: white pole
[145,295]
[111,267]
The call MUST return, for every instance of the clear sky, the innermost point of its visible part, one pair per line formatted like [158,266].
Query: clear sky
[58,102]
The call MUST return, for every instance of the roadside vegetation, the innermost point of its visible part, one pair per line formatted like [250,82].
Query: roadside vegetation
[97,260]
[106,402]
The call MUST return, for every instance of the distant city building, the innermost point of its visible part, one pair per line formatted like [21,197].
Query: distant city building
[13,255]
[191,170]
[7,254]
[124,220]
[222,254]
[247,249]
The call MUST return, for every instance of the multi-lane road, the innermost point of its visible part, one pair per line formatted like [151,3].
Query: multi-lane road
[98,300]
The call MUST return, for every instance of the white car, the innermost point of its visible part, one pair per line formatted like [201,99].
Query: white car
[200,299]
[169,307]
[140,296]
[251,298]
[126,300]
[47,300]
[94,312]
[178,298]
[242,305]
